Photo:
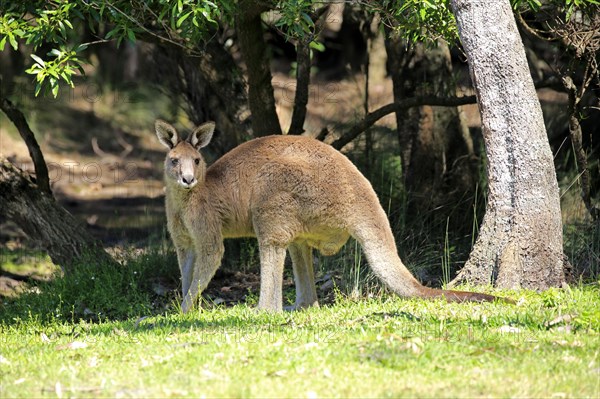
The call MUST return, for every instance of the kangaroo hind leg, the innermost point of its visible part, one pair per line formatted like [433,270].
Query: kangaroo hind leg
[304,275]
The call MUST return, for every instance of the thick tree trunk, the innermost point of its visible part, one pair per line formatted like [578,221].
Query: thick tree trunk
[45,222]
[520,241]
[435,143]
[261,98]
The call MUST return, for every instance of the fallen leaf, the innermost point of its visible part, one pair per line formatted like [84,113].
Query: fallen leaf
[44,338]
[93,362]
[3,360]
[509,329]
[72,345]
[566,319]
[278,373]
[19,381]
[310,345]
[209,375]
[219,301]
[311,395]
[58,389]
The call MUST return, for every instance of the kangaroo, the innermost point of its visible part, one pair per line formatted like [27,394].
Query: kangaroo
[290,192]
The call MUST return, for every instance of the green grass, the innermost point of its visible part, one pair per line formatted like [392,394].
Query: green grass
[377,347]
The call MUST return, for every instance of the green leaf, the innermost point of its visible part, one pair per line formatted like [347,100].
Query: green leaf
[307,19]
[317,46]
[55,52]
[183,18]
[13,42]
[131,35]
[55,89]
[38,60]
[2,43]
[65,77]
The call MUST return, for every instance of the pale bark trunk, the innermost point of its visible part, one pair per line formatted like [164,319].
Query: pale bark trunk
[520,241]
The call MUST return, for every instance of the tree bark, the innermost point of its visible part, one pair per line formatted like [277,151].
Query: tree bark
[261,98]
[520,240]
[62,236]
[39,163]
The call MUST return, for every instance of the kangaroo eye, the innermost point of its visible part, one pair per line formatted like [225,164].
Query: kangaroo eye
[174,161]
[197,161]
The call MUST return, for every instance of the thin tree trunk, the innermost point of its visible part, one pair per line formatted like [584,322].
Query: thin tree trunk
[39,163]
[577,141]
[302,82]
[261,98]
[520,240]
[62,236]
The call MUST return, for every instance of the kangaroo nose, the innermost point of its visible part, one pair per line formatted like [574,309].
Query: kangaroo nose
[188,179]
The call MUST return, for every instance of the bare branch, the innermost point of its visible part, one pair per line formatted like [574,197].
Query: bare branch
[372,117]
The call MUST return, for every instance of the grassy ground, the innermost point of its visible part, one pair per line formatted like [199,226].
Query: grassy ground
[548,345]
[102,333]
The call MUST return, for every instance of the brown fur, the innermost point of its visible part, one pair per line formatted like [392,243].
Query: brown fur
[290,192]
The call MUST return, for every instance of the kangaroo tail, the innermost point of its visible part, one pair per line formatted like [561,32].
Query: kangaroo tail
[378,244]
[461,296]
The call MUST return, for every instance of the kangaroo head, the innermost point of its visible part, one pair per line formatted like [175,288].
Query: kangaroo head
[184,164]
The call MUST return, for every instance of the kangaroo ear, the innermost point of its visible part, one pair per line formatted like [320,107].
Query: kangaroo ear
[166,133]
[202,135]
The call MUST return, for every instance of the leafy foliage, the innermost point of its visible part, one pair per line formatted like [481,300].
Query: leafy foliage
[420,20]
[569,6]
[60,24]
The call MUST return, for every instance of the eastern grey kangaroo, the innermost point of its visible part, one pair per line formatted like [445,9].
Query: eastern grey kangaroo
[290,192]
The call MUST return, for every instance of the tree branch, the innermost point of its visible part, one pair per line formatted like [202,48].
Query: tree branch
[18,119]
[371,118]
